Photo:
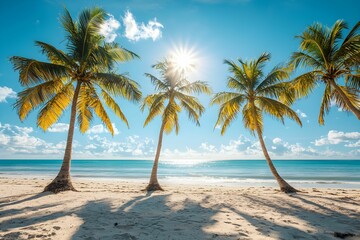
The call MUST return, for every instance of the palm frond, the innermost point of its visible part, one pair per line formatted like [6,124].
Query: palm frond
[119,85]
[55,55]
[54,108]
[31,98]
[84,112]
[159,84]
[277,109]
[110,102]
[276,75]
[305,83]
[325,104]
[33,71]
[196,87]
[100,111]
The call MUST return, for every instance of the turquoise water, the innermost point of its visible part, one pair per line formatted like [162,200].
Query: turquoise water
[302,173]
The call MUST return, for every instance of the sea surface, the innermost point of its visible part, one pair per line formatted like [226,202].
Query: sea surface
[300,173]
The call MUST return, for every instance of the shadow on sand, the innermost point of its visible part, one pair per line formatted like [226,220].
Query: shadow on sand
[163,216]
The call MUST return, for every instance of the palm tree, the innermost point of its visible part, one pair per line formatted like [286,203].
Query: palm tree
[83,77]
[174,94]
[330,59]
[255,94]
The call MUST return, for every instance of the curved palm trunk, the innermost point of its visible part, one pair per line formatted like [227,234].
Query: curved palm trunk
[284,186]
[62,182]
[153,183]
[355,110]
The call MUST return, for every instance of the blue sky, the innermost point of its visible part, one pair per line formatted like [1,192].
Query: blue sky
[215,30]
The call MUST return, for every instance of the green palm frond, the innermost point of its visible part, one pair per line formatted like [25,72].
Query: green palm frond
[55,55]
[254,94]
[159,84]
[329,60]
[304,84]
[118,53]
[350,94]
[33,71]
[196,87]
[119,85]
[277,109]
[277,74]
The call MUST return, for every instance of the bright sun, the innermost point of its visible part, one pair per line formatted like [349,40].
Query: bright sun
[183,59]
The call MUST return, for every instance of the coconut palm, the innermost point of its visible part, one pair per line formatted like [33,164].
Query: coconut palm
[330,59]
[174,95]
[255,93]
[82,77]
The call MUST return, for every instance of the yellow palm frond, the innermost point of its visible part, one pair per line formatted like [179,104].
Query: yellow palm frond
[54,108]
[110,102]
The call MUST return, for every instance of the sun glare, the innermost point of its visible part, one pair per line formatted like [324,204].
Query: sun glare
[183,59]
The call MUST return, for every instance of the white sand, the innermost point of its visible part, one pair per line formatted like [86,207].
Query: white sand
[119,210]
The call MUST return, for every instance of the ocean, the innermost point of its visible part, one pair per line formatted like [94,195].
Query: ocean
[300,173]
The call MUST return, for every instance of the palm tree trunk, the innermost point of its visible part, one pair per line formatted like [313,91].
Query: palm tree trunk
[355,110]
[284,186]
[153,183]
[62,182]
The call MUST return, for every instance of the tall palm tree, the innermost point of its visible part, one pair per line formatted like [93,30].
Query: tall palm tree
[330,59]
[82,77]
[174,94]
[255,93]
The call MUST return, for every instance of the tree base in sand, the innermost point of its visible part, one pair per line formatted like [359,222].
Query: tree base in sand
[288,189]
[59,185]
[153,187]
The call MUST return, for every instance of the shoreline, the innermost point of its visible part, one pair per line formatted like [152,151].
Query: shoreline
[203,181]
[120,210]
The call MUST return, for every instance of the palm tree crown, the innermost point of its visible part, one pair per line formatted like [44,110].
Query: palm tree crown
[254,93]
[82,77]
[330,59]
[176,90]
[88,64]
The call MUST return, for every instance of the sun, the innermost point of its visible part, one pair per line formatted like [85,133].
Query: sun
[183,59]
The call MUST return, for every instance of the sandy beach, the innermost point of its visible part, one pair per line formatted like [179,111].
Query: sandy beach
[120,210]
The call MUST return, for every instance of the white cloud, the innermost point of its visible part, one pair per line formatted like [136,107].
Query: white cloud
[277,140]
[6,92]
[336,137]
[109,27]
[59,127]
[18,141]
[301,114]
[97,129]
[135,31]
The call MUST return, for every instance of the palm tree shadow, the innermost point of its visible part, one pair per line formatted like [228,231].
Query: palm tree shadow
[324,221]
[8,201]
[145,217]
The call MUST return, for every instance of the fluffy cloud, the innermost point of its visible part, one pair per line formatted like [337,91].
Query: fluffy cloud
[97,129]
[336,137]
[6,92]
[59,127]
[18,141]
[135,31]
[133,146]
[109,27]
